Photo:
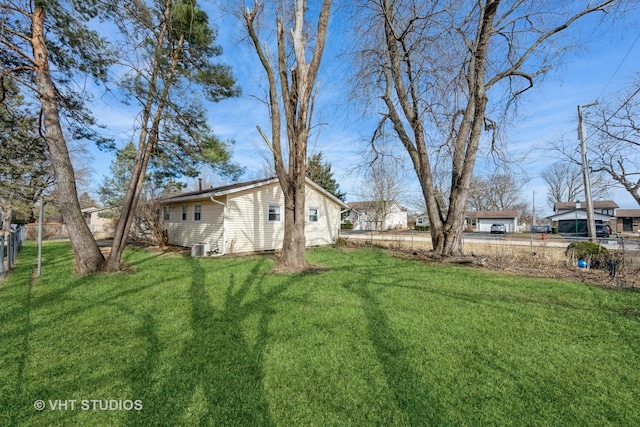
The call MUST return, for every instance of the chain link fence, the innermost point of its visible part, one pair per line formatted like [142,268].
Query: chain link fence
[10,245]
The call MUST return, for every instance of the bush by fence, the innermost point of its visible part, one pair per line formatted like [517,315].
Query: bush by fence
[594,254]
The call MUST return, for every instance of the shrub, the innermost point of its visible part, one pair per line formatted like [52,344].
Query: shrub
[596,255]
[340,241]
[422,228]
[347,225]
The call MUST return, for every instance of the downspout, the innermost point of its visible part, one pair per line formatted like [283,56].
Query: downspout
[224,224]
[340,221]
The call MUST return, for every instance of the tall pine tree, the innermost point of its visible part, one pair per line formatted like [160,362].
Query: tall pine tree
[24,169]
[47,48]
[319,171]
[171,68]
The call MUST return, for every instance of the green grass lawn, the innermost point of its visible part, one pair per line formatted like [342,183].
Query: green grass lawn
[366,340]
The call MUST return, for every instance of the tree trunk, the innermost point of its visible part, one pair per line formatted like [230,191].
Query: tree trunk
[147,141]
[296,91]
[87,255]
[292,257]
[128,209]
[7,216]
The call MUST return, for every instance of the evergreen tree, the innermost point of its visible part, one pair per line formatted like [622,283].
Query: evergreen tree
[320,172]
[169,50]
[24,169]
[47,49]
[114,187]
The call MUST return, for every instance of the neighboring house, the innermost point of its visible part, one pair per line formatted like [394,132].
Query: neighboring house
[373,215]
[571,217]
[98,219]
[626,221]
[247,217]
[422,220]
[482,220]
[604,207]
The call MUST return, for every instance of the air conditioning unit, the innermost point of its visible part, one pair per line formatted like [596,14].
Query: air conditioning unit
[200,249]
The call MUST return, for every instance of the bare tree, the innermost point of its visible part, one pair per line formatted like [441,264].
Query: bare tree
[292,92]
[565,182]
[496,192]
[449,72]
[384,184]
[617,132]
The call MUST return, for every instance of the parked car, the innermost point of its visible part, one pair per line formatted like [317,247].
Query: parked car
[498,228]
[603,230]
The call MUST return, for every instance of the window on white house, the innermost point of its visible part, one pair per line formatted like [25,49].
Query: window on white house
[197,209]
[474,222]
[314,213]
[274,213]
[184,212]
[167,213]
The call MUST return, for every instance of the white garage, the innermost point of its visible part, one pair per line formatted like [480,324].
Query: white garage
[482,220]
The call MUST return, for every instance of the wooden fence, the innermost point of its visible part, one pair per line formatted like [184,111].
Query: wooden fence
[10,245]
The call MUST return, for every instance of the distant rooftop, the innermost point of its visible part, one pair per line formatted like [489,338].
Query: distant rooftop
[597,204]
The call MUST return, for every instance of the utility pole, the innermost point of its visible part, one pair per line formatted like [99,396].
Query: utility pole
[591,225]
[533,219]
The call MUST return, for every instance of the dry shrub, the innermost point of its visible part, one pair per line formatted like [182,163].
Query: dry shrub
[503,255]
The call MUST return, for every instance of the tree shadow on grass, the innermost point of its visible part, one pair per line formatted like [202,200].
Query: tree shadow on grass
[411,393]
[18,326]
[217,377]
[17,403]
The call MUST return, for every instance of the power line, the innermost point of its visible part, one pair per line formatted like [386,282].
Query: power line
[617,111]
[609,82]
[620,65]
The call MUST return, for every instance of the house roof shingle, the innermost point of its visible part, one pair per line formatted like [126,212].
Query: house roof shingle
[628,213]
[597,204]
[370,204]
[222,188]
[238,186]
[492,214]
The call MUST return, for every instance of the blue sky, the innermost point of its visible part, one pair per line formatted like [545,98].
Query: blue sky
[547,112]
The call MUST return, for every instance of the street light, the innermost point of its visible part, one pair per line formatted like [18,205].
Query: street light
[591,225]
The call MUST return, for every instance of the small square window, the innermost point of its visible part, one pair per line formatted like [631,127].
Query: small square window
[197,209]
[184,212]
[274,213]
[313,214]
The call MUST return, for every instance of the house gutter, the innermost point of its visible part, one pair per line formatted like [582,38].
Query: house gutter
[340,221]
[224,224]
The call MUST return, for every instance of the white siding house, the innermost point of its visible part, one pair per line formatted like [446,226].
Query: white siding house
[377,215]
[247,217]
[99,220]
